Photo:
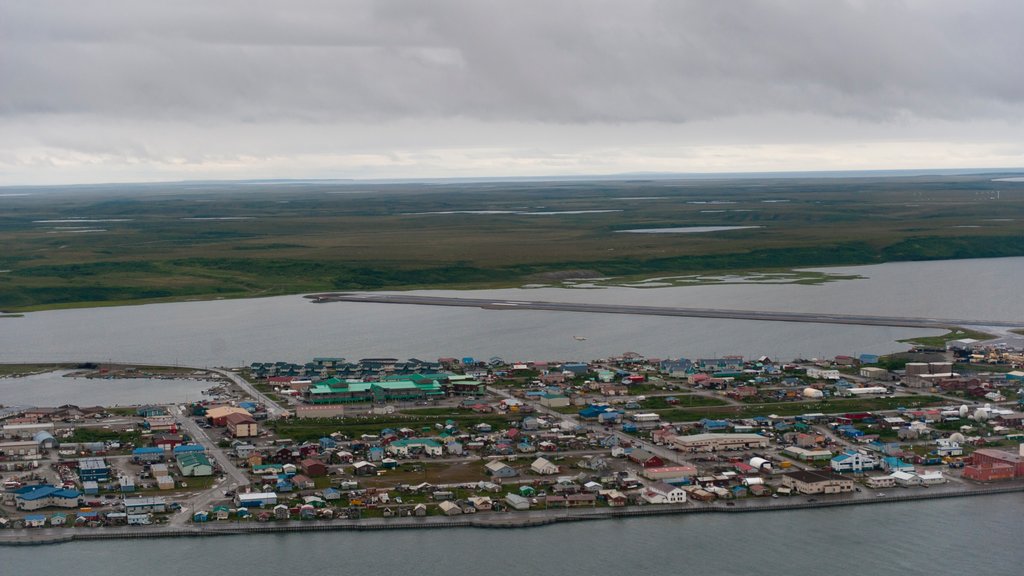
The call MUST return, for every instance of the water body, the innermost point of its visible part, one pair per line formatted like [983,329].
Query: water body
[236,332]
[978,535]
[55,389]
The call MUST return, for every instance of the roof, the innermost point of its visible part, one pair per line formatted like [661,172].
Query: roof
[811,476]
[91,463]
[193,459]
[239,418]
[223,411]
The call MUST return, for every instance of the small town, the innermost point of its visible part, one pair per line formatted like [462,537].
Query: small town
[379,442]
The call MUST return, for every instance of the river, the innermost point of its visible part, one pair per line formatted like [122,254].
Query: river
[236,332]
[979,535]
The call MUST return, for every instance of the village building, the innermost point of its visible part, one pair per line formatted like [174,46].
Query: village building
[812,482]
[711,442]
[241,425]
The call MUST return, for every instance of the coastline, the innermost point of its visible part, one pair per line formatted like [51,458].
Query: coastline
[34,537]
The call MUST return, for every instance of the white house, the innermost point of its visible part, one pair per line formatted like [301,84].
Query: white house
[662,493]
[823,373]
[906,478]
[544,466]
[854,462]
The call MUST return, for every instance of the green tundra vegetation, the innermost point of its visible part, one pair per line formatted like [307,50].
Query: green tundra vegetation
[118,244]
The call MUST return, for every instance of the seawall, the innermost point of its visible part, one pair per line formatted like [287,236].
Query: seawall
[494,520]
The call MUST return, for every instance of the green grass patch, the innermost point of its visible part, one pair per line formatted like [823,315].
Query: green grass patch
[26,369]
[940,341]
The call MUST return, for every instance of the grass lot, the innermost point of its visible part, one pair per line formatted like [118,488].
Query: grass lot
[81,434]
[161,242]
[940,341]
[25,369]
[415,472]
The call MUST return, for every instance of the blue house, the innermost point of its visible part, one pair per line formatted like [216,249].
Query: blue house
[148,454]
[327,442]
[709,425]
[186,448]
[577,368]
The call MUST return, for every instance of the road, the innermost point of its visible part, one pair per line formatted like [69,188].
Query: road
[817,318]
[235,477]
[274,409]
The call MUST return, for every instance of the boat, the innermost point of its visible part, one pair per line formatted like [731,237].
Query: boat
[581,338]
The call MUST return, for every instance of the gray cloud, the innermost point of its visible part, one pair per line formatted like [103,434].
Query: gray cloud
[460,69]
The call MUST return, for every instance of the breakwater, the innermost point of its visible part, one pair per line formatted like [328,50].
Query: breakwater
[491,520]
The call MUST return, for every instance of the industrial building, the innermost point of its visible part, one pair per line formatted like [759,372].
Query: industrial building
[337,391]
[712,442]
[812,482]
[45,495]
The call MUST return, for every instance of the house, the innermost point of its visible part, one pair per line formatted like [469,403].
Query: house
[449,508]
[662,493]
[852,461]
[614,498]
[544,466]
[813,482]
[314,468]
[364,468]
[303,482]
[35,521]
[241,425]
[498,469]
[481,503]
[554,400]
[517,502]
[646,459]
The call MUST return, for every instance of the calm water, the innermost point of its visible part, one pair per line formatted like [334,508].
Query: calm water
[53,389]
[235,332]
[979,535]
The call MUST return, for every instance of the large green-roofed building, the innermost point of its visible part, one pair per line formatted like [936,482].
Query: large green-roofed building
[337,391]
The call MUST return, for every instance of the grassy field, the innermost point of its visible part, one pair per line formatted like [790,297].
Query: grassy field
[940,341]
[24,369]
[120,244]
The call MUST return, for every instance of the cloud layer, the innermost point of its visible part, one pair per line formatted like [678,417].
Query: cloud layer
[148,90]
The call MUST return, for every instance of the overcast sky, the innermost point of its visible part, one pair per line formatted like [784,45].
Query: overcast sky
[142,91]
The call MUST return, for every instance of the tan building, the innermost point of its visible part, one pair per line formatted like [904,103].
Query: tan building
[811,482]
[714,442]
[241,425]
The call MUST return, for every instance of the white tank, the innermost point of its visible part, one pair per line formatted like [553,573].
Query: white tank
[964,410]
[981,414]
[813,393]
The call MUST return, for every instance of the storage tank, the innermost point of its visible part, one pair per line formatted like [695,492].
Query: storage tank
[813,393]
[916,368]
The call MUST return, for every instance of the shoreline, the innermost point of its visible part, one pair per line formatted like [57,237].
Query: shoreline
[36,537]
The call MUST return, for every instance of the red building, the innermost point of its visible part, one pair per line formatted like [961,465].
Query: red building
[989,464]
[646,459]
[313,467]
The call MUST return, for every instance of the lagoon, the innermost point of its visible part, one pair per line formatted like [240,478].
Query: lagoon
[290,328]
